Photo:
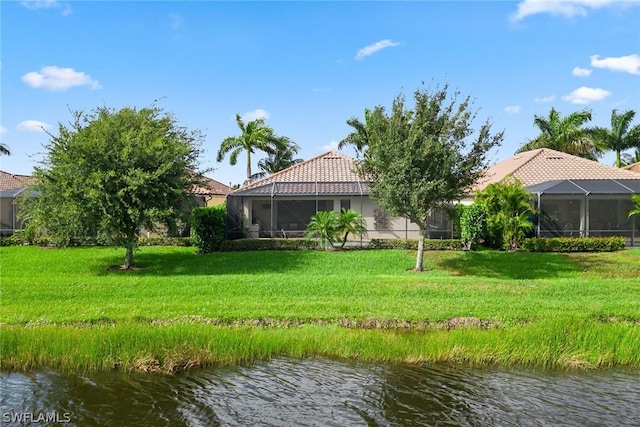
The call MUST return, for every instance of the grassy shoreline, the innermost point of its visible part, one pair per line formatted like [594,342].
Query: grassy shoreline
[65,310]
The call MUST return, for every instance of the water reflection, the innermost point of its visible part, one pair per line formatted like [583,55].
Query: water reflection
[329,393]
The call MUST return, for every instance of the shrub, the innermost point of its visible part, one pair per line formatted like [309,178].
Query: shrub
[472,225]
[412,244]
[266,244]
[208,228]
[165,241]
[573,244]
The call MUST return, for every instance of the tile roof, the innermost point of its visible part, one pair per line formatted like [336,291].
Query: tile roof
[328,173]
[634,167]
[541,165]
[10,181]
[211,187]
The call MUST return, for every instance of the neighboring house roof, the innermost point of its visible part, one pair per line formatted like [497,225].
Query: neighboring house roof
[634,167]
[9,181]
[328,173]
[211,187]
[542,165]
[587,186]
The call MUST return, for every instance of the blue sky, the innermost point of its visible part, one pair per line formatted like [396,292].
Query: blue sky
[308,66]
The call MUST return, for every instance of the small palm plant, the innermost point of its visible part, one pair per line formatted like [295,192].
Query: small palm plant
[323,227]
[636,209]
[351,221]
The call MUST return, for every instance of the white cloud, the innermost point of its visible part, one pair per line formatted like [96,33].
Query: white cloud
[3,130]
[626,64]
[56,78]
[581,72]
[254,115]
[545,99]
[513,109]
[566,8]
[332,146]
[47,4]
[32,126]
[585,95]
[373,48]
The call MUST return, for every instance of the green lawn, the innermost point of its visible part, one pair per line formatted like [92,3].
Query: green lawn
[59,292]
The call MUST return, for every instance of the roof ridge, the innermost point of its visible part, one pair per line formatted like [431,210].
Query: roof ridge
[266,179]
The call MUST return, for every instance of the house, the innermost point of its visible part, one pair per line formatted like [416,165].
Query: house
[575,196]
[282,204]
[210,192]
[11,187]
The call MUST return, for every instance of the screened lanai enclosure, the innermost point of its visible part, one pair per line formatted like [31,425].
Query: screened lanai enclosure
[587,208]
[284,209]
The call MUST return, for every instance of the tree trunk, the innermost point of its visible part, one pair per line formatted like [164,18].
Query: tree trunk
[248,168]
[128,259]
[618,160]
[423,232]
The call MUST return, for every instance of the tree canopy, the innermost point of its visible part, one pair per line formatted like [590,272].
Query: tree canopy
[622,135]
[565,134]
[254,135]
[280,159]
[4,150]
[423,158]
[109,173]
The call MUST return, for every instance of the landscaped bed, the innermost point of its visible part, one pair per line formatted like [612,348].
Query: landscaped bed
[66,309]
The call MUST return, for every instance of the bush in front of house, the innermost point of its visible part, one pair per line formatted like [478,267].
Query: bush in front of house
[412,244]
[573,244]
[208,228]
[473,222]
[165,241]
[266,245]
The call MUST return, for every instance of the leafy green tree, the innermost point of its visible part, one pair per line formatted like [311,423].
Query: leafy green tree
[255,135]
[4,149]
[509,212]
[622,136]
[282,158]
[110,173]
[565,134]
[364,133]
[350,221]
[424,158]
[323,227]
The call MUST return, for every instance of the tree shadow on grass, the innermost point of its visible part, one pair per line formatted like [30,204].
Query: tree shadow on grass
[511,265]
[192,264]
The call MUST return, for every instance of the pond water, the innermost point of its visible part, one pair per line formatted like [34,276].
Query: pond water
[320,392]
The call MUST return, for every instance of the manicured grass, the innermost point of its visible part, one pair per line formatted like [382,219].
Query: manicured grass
[65,308]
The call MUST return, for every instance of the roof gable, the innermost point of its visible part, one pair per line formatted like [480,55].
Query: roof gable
[330,167]
[210,187]
[542,165]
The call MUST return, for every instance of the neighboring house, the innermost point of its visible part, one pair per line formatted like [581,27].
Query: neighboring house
[282,204]
[576,197]
[11,188]
[210,192]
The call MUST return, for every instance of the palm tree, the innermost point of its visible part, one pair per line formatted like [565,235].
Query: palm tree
[629,159]
[364,133]
[351,221]
[564,134]
[280,159]
[621,136]
[255,135]
[4,149]
[322,227]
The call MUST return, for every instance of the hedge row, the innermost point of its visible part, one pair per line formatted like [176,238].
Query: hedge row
[19,239]
[412,244]
[267,244]
[165,241]
[571,244]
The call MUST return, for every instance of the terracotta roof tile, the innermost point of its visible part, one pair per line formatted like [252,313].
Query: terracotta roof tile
[541,165]
[634,167]
[210,187]
[328,168]
[10,181]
